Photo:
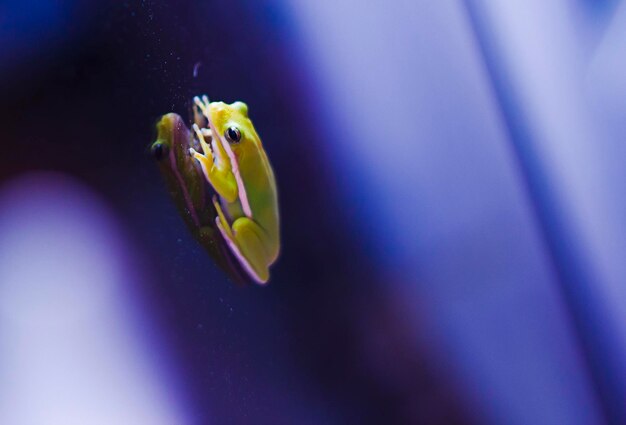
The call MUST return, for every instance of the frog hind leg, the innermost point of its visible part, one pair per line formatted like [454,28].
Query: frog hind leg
[245,240]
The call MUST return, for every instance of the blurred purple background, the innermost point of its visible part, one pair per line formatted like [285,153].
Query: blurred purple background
[451,179]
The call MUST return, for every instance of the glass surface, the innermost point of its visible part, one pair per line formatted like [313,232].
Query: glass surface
[451,194]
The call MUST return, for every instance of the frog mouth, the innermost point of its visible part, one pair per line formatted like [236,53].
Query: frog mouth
[234,163]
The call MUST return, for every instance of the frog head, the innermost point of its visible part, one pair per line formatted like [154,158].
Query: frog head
[171,152]
[236,134]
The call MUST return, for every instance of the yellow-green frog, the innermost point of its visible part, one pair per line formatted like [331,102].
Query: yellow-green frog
[235,164]
[190,191]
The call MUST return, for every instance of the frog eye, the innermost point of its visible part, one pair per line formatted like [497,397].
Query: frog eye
[233,135]
[159,150]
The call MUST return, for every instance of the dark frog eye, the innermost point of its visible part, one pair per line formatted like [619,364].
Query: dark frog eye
[159,150]
[233,135]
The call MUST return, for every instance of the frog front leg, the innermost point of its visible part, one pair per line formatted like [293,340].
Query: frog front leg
[217,171]
[248,242]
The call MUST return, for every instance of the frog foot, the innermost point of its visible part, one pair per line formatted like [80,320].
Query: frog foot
[203,105]
[201,134]
[206,157]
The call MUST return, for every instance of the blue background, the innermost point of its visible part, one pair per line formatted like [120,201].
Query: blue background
[451,180]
